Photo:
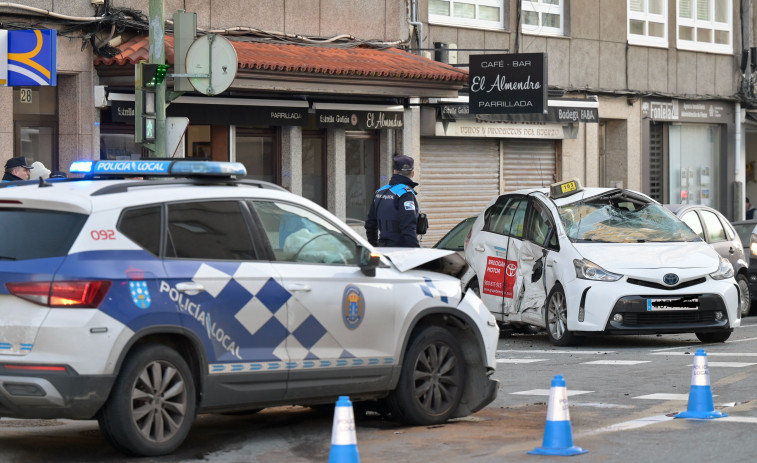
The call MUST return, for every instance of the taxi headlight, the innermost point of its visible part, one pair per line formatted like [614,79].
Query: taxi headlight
[588,270]
[725,270]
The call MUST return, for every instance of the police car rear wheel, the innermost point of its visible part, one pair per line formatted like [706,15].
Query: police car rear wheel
[556,319]
[431,382]
[152,405]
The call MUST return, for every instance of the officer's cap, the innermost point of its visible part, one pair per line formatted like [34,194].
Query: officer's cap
[405,163]
[17,162]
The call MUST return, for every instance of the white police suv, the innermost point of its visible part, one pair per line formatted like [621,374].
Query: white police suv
[142,302]
[598,260]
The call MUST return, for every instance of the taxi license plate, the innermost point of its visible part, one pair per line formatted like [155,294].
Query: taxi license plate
[672,304]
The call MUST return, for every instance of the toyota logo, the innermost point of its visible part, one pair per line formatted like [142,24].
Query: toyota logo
[510,270]
[670,279]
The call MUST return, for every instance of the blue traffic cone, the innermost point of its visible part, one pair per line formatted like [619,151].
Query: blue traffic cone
[558,437]
[343,439]
[700,395]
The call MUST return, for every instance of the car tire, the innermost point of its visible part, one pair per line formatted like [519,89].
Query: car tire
[745,296]
[152,404]
[473,286]
[718,336]
[431,380]
[556,319]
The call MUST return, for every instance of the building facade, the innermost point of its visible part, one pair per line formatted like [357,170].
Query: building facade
[652,95]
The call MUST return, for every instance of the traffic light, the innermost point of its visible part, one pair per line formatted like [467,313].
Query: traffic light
[153,74]
[147,77]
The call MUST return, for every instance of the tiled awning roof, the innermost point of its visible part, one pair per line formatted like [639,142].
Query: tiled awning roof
[369,63]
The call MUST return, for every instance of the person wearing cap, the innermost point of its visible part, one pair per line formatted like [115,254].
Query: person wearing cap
[16,169]
[393,217]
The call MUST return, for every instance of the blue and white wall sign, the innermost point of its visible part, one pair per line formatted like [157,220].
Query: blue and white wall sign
[30,58]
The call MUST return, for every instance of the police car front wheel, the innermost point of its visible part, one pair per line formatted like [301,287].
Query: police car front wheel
[152,404]
[431,383]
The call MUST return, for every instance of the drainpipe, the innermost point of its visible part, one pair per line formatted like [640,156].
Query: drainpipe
[738,213]
[413,21]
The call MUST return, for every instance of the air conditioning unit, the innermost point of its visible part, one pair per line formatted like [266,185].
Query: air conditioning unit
[445,52]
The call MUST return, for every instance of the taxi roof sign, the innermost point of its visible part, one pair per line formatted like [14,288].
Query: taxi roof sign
[565,188]
[156,167]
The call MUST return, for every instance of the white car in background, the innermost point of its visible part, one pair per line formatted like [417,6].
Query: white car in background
[598,260]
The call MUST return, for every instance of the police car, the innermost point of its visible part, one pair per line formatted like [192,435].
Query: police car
[142,302]
[597,260]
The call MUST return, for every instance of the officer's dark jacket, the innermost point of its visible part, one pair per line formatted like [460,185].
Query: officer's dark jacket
[393,216]
[8,177]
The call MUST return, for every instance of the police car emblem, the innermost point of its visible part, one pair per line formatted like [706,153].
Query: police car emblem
[353,307]
[140,295]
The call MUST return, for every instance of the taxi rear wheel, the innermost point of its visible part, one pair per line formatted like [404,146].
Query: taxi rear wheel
[152,404]
[431,382]
[556,319]
[473,286]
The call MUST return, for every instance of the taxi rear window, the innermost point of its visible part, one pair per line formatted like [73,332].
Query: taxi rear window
[36,234]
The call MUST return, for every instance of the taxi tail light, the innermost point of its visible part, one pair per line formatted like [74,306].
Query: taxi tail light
[68,294]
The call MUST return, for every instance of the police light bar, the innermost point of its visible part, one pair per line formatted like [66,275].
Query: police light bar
[152,168]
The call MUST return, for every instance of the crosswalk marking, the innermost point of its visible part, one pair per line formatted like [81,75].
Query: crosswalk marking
[616,362]
[517,361]
[664,396]
[571,392]
[711,354]
[728,364]
[574,352]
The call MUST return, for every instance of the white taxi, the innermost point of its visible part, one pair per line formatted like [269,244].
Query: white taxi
[597,260]
[142,302]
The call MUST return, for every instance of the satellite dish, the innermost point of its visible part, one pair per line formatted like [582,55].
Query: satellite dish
[211,64]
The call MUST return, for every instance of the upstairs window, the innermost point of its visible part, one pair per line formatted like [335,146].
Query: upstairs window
[543,17]
[485,14]
[705,25]
[648,23]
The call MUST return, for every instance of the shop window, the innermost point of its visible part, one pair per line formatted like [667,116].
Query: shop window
[259,151]
[117,142]
[694,158]
[543,17]
[648,22]
[199,141]
[474,13]
[35,116]
[313,166]
[362,172]
[705,25]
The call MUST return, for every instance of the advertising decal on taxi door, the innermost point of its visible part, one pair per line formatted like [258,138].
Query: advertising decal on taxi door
[499,278]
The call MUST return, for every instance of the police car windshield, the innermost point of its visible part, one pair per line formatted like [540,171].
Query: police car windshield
[622,219]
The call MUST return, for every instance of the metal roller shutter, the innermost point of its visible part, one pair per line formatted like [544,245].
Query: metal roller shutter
[528,164]
[458,179]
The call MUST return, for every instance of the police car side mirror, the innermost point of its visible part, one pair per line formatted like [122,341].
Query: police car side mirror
[369,260]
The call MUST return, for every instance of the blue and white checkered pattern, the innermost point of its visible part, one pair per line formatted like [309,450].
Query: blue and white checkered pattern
[431,291]
[273,318]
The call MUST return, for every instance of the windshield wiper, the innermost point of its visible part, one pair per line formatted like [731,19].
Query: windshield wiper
[8,258]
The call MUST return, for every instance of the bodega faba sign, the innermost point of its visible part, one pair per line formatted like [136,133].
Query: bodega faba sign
[508,84]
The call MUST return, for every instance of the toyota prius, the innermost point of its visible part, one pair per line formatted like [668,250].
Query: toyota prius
[580,261]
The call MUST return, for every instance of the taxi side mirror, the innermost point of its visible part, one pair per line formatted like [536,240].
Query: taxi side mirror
[369,260]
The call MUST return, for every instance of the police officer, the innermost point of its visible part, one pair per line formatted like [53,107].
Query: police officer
[16,169]
[393,216]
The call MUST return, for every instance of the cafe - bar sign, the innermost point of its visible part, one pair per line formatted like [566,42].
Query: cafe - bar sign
[508,83]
